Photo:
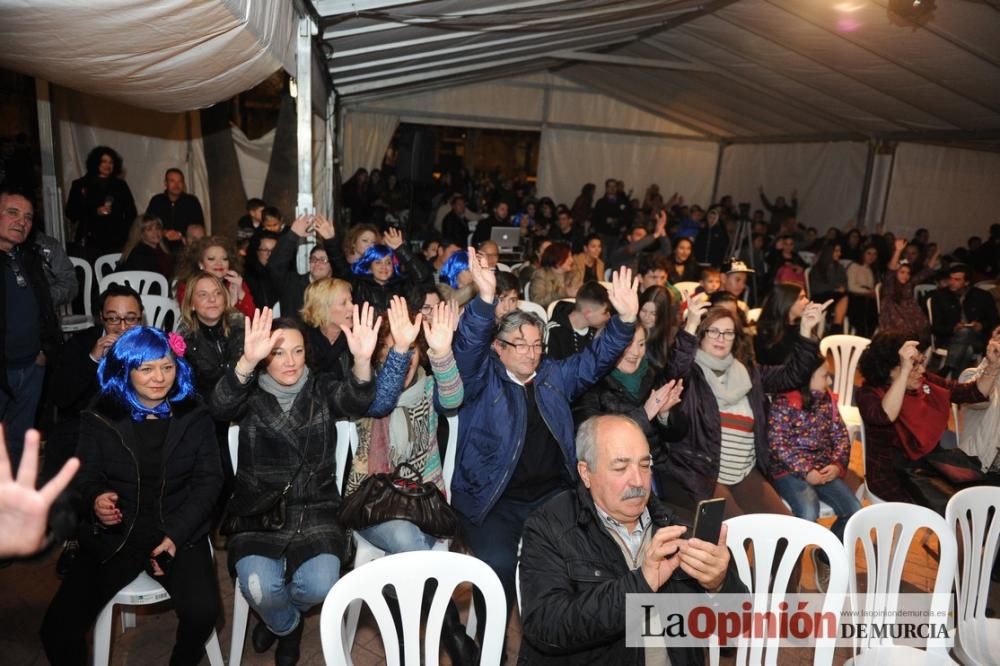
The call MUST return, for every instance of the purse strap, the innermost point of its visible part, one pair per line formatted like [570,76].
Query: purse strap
[416,473]
[305,449]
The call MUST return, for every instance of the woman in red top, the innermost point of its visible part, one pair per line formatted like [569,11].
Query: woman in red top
[216,255]
[905,412]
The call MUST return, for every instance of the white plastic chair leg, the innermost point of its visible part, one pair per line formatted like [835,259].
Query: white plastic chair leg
[102,636]
[353,617]
[241,616]
[214,650]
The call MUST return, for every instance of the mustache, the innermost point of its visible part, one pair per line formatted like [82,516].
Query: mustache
[634,492]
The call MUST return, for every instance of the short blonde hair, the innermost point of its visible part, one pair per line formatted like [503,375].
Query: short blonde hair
[319,297]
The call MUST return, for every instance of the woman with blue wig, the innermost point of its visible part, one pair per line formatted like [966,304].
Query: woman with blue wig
[383,271]
[149,478]
[455,279]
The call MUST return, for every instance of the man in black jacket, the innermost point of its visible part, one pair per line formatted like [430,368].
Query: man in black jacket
[586,549]
[176,209]
[963,318]
[29,328]
[612,215]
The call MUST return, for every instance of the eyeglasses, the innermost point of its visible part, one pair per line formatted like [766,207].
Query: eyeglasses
[318,260]
[426,309]
[114,319]
[523,347]
[715,334]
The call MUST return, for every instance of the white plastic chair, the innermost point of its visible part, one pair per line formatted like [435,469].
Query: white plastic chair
[527,290]
[504,268]
[864,491]
[276,310]
[808,257]
[161,312]
[142,591]
[968,514]
[144,282]
[808,271]
[241,607]
[686,288]
[886,532]
[939,351]
[878,297]
[921,289]
[534,308]
[70,322]
[765,532]
[552,306]
[106,264]
[846,350]
[407,573]
[365,551]
[753,314]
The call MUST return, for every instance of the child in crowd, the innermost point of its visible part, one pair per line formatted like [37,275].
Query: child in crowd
[711,281]
[810,452]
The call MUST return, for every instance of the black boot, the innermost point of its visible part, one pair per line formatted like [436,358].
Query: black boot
[287,653]
[262,637]
[462,649]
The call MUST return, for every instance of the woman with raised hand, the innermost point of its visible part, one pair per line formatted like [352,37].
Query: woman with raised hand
[288,440]
[216,255]
[382,271]
[149,479]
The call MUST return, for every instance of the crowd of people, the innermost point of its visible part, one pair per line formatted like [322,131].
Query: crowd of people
[678,361]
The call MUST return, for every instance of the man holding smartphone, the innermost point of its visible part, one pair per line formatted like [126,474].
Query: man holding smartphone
[586,549]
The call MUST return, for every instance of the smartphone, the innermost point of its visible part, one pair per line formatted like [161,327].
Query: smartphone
[164,560]
[708,519]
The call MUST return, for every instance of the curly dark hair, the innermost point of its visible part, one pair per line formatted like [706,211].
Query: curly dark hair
[881,357]
[94,160]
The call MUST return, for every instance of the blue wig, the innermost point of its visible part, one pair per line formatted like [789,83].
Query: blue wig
[456,264]
[363,266]
[137,346]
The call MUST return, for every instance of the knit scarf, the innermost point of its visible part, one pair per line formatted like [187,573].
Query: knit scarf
[632,382]
[285,395]
[727,377]
[391,436]
[141,411]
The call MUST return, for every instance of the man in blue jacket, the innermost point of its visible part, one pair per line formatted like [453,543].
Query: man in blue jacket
[515,429]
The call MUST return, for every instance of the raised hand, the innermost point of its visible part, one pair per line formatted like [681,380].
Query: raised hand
[324,227]
[812,316]
[23,510]
[624,294]
[300,227]
[661,223]
[697,306]
[404,331]
[485,279]
[675,389]
[439,328]
[258,339]
[234,281]
[363,334]
[908,354]
[393,238]
[900,245]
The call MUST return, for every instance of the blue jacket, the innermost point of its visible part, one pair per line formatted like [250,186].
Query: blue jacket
[493,418]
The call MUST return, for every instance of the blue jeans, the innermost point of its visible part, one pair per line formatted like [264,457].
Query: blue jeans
[17,411]
[804,499]
[280,604]
[398,536]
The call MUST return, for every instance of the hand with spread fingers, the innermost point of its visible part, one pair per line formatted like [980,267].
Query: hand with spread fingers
[362,337]
[697,306]
[624,294]
[485,279]
[439,328]
[404,331]
[393,238]
[324,227]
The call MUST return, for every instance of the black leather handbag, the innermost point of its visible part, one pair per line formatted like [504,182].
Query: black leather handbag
[383,497]
[262,513]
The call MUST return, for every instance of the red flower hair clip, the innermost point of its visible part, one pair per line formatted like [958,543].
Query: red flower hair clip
[177,344]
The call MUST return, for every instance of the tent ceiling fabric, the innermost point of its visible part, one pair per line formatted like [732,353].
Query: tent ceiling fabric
[731,70]
[169,55]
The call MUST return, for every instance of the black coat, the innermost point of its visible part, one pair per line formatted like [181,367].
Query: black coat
[711,245]
[101,234]
[74,378]
[574,581]
[192,474]
[609,396]
[290,284]
[272,446]
[33,269]
[693,462]
[176,215]
[210,359]
[948,310]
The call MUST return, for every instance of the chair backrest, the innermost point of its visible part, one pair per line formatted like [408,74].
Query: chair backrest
[144,282]
[878,297]
[686,288]
[161,312]
[608,273]
[450,456]
[767,533]
[234,445]
[106,264]
[534,308]
[753,314]
[974,515]
[808,288]
[886,532]
[87,285]
[846,350]
[921,289]
[930,322]
[956,416]
[552,306]
[605,284]
[276,310]
[808,257]
[407,573]
[347,440]
[527,290]
[503,267]
[986,285]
